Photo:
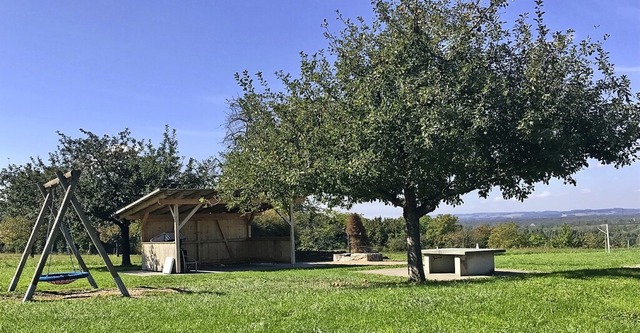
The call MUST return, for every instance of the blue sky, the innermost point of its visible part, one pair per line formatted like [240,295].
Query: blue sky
[108,65]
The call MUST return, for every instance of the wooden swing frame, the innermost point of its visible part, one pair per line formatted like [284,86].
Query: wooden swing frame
[68,183]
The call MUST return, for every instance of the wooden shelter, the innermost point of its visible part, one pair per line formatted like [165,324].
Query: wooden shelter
[208,233]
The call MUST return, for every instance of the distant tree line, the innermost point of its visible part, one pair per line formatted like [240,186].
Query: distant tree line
[319,230]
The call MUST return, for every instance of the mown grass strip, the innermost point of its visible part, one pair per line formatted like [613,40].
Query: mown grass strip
[581,291]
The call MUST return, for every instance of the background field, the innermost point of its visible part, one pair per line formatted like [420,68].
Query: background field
[569,291]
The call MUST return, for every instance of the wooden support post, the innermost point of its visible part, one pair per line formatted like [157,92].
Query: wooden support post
[54,182]
[198,256]
[191,213]
[145,219]
[176,236]
[249,222]
[32,238]
[92,232]
[177,225]
[51,238]
[292,234]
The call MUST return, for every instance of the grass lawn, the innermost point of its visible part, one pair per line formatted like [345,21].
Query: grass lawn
[570,291]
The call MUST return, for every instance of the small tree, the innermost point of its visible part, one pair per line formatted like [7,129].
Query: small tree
[117,170]
[357,235]
[536,239]
[594,240]
[566,237]
[320,229]
[480,235]
[441,230]
[14,233]
[506,235]
[269,224]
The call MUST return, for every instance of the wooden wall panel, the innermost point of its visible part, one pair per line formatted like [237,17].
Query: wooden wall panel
[189,232]
[154,254]
[153,229]
[270,249]
[203,241]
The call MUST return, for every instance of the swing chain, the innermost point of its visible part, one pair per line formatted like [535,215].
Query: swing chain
[68,232]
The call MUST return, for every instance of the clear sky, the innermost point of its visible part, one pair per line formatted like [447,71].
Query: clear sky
[108,65]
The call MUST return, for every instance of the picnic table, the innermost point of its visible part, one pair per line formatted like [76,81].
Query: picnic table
[460,261]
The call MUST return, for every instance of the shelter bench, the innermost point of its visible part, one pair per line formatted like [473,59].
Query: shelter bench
[460,261]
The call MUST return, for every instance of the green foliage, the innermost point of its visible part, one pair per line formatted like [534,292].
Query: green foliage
[480,235]
[19,196]
[14,234]
[506,236]
[116,170]
[594,240]
[536,239]
[269,224]
[430,101]
[382,232]
[200,174]
[443,231]
[566,237]
[397,244]
[111,237]
[319,229]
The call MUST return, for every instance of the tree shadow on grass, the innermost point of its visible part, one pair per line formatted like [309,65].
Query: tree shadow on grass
[266,267]
[505,275]
[402,282]
[117,268]
[586,274]
[240,267]
[581,274]
[135,292]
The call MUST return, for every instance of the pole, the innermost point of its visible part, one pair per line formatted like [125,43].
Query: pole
[608,239]
[176,237]
[292,234]
[32,240]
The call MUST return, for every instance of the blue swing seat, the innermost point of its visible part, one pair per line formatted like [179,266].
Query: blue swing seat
[63,277]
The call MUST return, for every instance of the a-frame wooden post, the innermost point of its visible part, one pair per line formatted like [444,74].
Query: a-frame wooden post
[69,240]
[51,238]
[69,199]
[92,232]
[177,226]
[175,211]
[32,238]
[48,203]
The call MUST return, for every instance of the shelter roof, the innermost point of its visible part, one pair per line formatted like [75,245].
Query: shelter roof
[158,201]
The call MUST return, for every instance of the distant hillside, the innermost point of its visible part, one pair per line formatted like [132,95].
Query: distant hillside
[556,216]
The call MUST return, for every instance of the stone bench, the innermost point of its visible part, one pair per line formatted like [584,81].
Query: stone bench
[460,261]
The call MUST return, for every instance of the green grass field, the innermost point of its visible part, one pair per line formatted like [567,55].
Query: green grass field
[570,291]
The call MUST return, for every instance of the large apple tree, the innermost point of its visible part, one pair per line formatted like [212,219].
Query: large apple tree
[430,101]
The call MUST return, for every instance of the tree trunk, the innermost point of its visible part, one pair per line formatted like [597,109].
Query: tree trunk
[126,244]
[412,223]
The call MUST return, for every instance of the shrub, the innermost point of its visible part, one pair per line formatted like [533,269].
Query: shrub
[358,240]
